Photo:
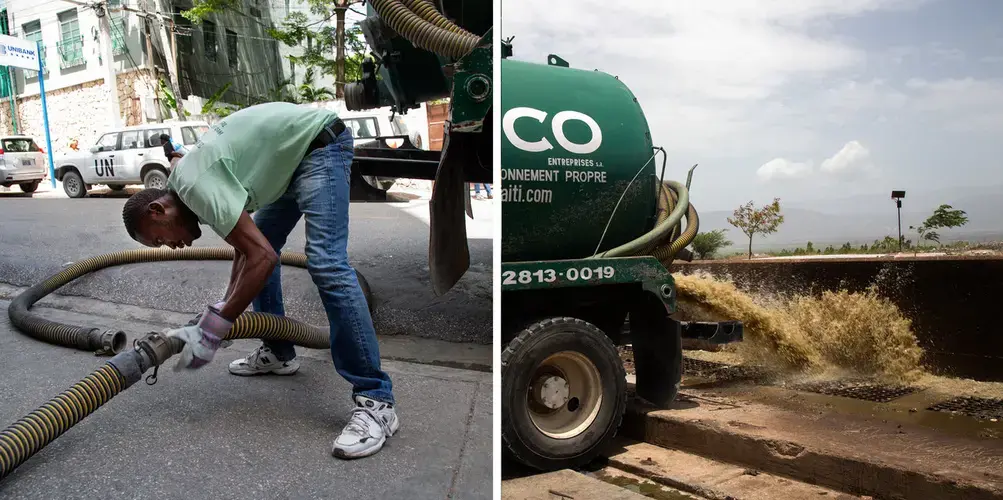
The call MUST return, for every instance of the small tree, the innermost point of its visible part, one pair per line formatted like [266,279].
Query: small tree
[705,245]
[754,221]
[944,217]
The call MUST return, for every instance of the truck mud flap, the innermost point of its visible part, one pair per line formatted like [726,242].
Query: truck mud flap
[448,253]
[658,352]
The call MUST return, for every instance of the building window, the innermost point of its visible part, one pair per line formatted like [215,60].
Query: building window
[33,32]
[183,33]
[71,42]
[232,56]
[253,8]
[209,41]
[117,22]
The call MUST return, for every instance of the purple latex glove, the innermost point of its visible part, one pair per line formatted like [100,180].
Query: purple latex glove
[202,340]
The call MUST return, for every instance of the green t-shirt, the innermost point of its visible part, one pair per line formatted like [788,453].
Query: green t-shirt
[245,161]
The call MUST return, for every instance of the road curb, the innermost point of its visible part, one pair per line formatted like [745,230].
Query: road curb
[882,474]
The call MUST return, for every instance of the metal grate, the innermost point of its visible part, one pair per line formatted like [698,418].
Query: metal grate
[980,408]
[866,391]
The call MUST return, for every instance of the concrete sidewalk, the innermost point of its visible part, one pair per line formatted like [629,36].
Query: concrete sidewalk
[212,435]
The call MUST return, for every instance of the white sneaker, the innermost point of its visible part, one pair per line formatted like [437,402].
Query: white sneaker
[371,423]
[262,361]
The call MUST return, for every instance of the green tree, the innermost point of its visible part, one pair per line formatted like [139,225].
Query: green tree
[705,245]
[944,217]
[753,221]
[308,92]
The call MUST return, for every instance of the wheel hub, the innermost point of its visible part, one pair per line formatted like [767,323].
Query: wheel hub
[552,391]
[566,395]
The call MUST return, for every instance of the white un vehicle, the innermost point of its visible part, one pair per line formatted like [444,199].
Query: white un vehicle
[130,155]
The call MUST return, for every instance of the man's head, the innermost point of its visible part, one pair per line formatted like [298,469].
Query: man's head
[165,139]
[156,217]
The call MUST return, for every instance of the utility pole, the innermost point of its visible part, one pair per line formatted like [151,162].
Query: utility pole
[339,36]
[110,80]
[171,55]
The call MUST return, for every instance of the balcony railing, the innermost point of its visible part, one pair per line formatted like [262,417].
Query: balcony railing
[71,52]
[118,42]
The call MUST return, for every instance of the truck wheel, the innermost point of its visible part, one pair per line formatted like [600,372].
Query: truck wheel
[155,178]
[564,393]
[116,187]
[29,187]
[73,185]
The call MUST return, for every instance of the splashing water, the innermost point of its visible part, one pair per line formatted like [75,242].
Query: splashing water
[832,332]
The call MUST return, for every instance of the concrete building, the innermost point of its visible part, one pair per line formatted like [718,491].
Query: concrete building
[227,48]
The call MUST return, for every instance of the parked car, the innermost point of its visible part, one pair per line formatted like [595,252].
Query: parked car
[367,125]
[130,155]
[22,162]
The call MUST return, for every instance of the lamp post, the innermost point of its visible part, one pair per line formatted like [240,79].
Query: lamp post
[897,196]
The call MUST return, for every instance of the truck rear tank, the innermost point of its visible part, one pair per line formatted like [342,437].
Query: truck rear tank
[577,162]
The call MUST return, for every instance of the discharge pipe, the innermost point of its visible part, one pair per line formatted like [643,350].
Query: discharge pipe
[27,436]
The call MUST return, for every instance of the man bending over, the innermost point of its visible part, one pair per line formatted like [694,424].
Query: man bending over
[280,161]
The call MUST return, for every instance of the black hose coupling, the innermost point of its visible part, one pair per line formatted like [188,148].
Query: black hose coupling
[107,342]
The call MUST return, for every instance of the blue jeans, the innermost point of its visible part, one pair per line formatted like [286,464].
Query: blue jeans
[319,190]
[477,188]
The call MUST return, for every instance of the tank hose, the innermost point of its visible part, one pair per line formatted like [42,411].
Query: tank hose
[427,11]
[660,233]
[25,437]
[423,34]
[673,204]
[248,325]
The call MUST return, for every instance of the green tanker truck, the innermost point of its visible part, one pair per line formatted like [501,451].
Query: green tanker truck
[588,232]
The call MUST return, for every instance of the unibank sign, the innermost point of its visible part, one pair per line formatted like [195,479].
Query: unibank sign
[18,52]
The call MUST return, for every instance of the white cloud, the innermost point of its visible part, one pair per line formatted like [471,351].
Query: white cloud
[782,168]
[853,157]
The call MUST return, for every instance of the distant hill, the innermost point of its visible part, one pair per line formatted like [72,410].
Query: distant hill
[865,218]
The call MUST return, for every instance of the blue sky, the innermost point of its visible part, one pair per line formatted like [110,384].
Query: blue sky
[800,99]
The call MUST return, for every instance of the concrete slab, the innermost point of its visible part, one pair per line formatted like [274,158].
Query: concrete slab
[858,454]
[211,435]
[564,485]
[710,479]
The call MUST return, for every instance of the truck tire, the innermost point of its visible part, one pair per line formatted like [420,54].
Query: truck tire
[73,185]
[29,187]
[564,393]
[155,178]
[116,187]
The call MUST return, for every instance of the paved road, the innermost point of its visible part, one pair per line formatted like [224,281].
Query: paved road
[388,244]
[210,435]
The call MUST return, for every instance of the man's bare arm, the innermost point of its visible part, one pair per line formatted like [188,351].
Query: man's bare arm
[258,263]
[238,264]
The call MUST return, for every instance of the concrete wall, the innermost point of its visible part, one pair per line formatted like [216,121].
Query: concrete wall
[951,301]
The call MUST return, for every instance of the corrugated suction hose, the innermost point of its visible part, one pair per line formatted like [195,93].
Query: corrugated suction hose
[22,439]
[248,325]
[422,33]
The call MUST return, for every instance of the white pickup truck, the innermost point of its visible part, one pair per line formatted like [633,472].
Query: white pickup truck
[130,155]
